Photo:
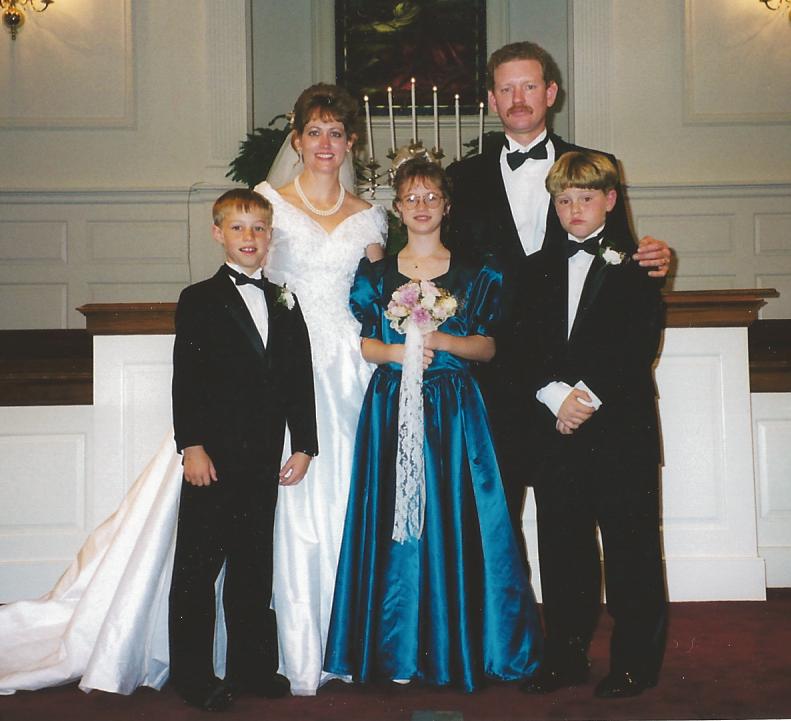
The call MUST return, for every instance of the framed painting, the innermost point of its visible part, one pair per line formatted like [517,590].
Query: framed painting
[385,43]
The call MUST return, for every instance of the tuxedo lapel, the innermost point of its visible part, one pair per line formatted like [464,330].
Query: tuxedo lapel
[556,297]
[275,309]
[597,274]
[236,308]
[498,204]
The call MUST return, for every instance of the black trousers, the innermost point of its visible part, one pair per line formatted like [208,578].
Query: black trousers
[229,522]
[622,499]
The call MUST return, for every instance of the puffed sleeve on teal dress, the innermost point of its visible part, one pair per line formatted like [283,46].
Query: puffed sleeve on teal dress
[365,297]
[485,304]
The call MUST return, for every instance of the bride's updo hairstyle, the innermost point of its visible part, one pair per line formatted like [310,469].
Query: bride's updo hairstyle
[330,103]
[420,168]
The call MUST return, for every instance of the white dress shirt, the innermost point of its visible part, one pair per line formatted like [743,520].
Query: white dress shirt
[255,301]
[527,194]
[554,393]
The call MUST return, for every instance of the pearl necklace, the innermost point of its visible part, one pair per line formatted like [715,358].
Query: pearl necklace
[312,208]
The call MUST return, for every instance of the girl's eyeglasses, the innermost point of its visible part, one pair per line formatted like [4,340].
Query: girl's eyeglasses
[430,200]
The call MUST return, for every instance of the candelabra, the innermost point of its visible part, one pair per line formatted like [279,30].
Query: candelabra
[414,148]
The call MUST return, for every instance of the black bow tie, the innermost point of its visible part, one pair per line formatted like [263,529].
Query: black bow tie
[538,152]
[242,279]
[591,245]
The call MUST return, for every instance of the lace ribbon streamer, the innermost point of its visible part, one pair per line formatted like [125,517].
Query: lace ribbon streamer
[410,486]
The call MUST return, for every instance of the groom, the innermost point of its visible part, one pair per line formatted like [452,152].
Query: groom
[501,206]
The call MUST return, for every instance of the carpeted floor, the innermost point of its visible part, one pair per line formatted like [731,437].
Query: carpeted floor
[723,661]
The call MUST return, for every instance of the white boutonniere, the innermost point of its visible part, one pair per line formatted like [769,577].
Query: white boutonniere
[286,297]
[611,256]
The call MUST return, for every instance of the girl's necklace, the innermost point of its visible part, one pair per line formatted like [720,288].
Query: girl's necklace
[312,208]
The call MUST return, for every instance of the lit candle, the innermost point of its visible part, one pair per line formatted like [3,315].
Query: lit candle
[392,119]
[458,128]
[369,128]
[436,119]
[414,114]
[480,130]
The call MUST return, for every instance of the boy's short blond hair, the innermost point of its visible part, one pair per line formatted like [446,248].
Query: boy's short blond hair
[582,169]
[242,200]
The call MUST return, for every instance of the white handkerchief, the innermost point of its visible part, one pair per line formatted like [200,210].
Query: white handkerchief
[595,401]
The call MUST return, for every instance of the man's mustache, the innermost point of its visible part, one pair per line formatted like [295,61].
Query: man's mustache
[519,107]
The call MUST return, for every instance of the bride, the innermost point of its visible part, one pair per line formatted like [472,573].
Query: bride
[105,621]
[320,232]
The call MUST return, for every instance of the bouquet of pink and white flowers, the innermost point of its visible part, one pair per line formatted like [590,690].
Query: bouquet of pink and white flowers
[420,303]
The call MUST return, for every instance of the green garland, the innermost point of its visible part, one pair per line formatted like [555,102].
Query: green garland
[257,153]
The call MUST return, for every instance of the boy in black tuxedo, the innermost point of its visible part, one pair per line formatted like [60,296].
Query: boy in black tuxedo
[501,206]
[241,371]
[589,324]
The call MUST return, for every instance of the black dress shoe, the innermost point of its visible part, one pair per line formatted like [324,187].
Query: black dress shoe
[214,696]
[621,685]
[551,678]
[272,686]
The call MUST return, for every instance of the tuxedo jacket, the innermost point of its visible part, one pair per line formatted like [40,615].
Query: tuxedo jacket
[612,348]
[232,393]
[480,216]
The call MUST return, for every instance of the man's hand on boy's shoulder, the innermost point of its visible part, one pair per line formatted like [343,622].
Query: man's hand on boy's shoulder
[294,469]
[198,467]
[654,255]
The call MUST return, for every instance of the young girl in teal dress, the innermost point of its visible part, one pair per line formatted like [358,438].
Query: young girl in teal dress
[430,584]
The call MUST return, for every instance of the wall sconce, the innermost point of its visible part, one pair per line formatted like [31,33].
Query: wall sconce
[13,15]
[777,4]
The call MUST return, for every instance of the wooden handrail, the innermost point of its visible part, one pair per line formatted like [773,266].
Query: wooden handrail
[685,309]
[715,308]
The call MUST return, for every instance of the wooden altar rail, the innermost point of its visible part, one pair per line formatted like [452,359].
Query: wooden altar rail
[685,309]
[54,367]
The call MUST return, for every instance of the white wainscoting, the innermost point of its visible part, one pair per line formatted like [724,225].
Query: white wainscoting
[772,441]
[723,237]
[60,250]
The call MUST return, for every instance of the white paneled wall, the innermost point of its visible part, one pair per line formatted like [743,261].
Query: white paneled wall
[111,205]
[62,250]
[723,237]
[117,123]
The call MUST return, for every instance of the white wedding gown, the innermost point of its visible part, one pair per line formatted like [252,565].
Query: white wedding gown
[319,267]
[104,623]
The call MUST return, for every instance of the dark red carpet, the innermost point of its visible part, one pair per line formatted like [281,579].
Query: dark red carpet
[723,661]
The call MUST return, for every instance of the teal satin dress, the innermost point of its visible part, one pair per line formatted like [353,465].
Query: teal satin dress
[454,606]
